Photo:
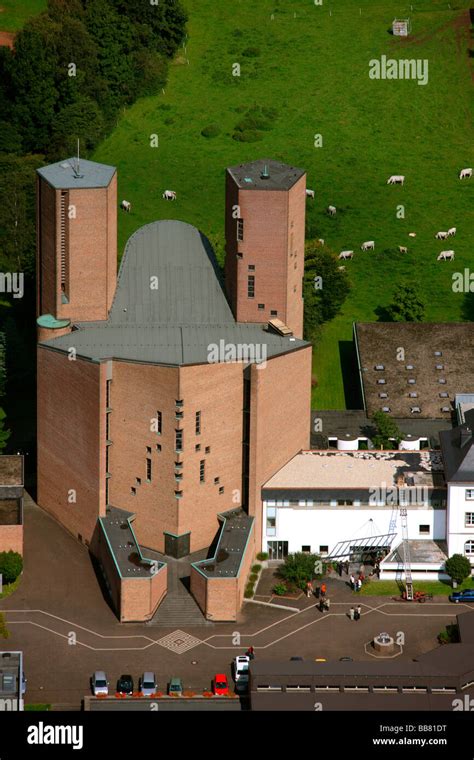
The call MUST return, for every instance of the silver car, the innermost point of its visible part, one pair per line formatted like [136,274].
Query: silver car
[148,685]
[99,683]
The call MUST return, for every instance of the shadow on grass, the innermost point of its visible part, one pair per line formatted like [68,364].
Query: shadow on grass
[467,308]
[350,375]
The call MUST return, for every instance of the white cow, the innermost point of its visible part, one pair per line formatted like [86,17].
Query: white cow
[332,210]
[446,256]
[403,249]
[465,173]
[412,234]
[396,179]
[126,206]
[441,235]
[452,231]
[310,194]
[369,245]
[170,195]
[346,255]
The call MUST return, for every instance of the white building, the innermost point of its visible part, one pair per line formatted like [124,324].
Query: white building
[457,446]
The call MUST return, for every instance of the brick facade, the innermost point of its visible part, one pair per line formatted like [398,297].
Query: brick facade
[11,538]
[273,244]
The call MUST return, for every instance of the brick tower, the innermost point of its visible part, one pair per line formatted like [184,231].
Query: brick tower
[265,233]
[76,244]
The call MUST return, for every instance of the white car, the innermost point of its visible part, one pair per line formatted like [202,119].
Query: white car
[148,685]
[241,669]
[99,683]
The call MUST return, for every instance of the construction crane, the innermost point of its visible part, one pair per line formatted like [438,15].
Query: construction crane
[406,555]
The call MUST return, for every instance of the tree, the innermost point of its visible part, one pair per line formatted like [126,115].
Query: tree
[458,567]
[11,565]
[299,568]
[325,286]
[386,429]
[161,25]
[4,433]
[407,304]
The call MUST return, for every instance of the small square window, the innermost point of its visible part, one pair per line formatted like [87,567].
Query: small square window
[208,449]
[306,549]
[148,449]
[216,481]
[323,549]
[261,306]
[240,255]
[273,313]
[138,481]
[251,267]
[221,490]
[133,491]
[158,446]
[197,447]
[424,529]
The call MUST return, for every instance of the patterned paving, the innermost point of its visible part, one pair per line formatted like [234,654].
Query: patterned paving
[179,642]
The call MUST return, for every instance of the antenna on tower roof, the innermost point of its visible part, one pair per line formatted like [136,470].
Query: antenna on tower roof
[76,166]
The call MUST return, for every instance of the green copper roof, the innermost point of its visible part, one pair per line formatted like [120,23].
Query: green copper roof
[47,320]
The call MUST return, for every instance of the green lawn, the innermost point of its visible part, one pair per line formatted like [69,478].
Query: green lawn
[14,13]
[313,69]
[392,588]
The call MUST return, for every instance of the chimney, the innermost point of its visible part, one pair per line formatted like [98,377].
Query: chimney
[265,173]
[465,436]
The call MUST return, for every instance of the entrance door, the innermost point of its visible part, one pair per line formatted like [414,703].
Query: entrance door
[277,549]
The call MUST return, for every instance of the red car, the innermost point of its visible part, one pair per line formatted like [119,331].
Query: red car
[220,684]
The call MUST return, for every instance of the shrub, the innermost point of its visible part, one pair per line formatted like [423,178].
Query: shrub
[280,589]
[256,568]
[11,565]
[248,593]
[262,556]
[253,577]
[458,567]
[450,635]
[211,131]
[298,568]
[249,136]
[251,52]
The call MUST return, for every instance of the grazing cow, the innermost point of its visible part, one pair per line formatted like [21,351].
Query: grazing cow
[310,194]
[332,210]
[396,179]
[369,245]
[403,249]
[441,235]
[412,234]
[169,195]
[446,256]
[346,255]
[452,231]
[321,241]
[465,173]
[126,206]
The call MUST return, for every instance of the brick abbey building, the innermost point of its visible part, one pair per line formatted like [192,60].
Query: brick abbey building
[166,398]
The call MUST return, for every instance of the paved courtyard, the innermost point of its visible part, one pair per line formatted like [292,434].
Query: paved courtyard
[62,621]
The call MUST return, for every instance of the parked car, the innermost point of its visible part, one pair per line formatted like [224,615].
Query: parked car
[175,688]
[220,685]
[346,659]
[296,659]
[99,683]
[147,684]
[462,596]
[125,685]
[320,659]
[241,669]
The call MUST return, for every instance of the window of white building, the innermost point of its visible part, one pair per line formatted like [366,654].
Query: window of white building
[469,548]
[469,519]
[271,521]
[469,493]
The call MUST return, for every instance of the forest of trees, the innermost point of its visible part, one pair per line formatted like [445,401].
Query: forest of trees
[72,69]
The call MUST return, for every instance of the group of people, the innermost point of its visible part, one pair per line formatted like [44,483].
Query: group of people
[356,583]
[355,612]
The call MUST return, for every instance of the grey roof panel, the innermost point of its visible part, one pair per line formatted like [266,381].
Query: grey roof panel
[177,322]
[63,176]
[280,176]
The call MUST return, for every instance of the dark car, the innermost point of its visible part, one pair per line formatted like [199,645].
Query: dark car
[296,659]
[125,685]
[462,596]
[346,659]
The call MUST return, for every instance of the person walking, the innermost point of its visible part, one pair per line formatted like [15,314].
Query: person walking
[322,604]
[309,589]
[339,568]
[359,584]
[323,589]
[359,610]
[346,567]
[356,614]
[352,582]
[327,603]
[351,613]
